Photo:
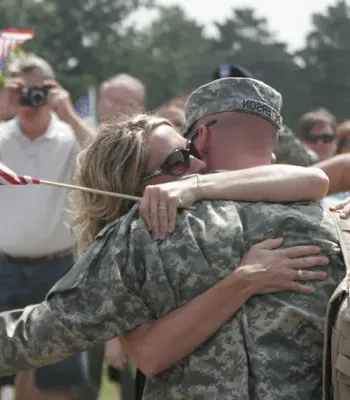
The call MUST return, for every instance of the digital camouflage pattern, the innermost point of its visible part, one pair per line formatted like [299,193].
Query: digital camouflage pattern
[233,94]
[270,350]
[290,150]
[336,364]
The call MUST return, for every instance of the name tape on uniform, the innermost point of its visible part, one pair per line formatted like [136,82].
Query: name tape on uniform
[263,109]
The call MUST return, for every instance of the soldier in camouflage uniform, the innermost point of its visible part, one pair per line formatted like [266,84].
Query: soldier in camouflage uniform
[270,349]
[290,150]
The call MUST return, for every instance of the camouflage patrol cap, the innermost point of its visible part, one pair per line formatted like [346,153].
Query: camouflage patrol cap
[233,94]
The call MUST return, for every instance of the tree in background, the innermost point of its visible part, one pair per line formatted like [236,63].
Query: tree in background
[88,41]
[245,39]
[178,55]
[82,39]
[325,60]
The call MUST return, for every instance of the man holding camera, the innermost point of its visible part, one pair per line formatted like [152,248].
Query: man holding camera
[36,246]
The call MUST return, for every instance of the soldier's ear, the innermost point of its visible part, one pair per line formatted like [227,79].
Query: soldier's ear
[273,158]
[203,139]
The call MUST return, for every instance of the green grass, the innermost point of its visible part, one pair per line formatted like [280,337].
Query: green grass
[109,390]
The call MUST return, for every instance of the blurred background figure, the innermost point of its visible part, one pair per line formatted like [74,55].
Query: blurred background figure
[290,150]
[179,101]
[121,95]
[343,136]
[342,132]
[174,114]
[233,71]
[317,130]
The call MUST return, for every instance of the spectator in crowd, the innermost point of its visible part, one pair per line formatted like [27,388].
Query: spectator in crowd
[121,95]
[317,130]
[36,245]
[231,71]
[174,114]
[290,150]
[343,135]
[337,167]
[179,101]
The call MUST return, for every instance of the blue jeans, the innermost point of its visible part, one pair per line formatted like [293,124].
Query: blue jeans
[25,284]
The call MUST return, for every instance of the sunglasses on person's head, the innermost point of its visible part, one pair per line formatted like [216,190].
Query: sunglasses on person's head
[176,164]
[324,138]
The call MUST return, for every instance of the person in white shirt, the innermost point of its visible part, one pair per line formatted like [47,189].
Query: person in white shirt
[36,245]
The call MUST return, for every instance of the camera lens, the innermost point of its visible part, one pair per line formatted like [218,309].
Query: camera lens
[37,97]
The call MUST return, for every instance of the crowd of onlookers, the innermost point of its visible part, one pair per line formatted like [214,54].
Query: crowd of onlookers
[36,246]
[320,132]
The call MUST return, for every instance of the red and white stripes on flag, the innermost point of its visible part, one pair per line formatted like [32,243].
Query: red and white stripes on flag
[9,39]
[8,177]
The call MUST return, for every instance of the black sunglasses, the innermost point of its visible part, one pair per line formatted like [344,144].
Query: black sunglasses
[325,138]
[177,163]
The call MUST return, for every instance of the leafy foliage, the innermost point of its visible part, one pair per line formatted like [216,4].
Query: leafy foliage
[88,41]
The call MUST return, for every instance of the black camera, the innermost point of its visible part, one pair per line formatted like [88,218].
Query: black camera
[34,96]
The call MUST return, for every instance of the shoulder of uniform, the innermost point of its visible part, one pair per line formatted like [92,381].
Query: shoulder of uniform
[121,225]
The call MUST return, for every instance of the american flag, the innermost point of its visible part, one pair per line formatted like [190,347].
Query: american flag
[9,39]
[82,106]
[85,106]
[8,177]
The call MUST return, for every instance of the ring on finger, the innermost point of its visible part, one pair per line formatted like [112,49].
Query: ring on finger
[300,274]
[162,208]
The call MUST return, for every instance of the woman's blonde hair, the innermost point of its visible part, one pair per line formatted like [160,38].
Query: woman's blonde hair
[114,161]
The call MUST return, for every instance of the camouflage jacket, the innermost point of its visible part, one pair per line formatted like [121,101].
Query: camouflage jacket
[271,349]
[290,150]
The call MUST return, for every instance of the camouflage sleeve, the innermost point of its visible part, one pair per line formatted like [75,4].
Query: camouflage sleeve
[290,150]
[91,304]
